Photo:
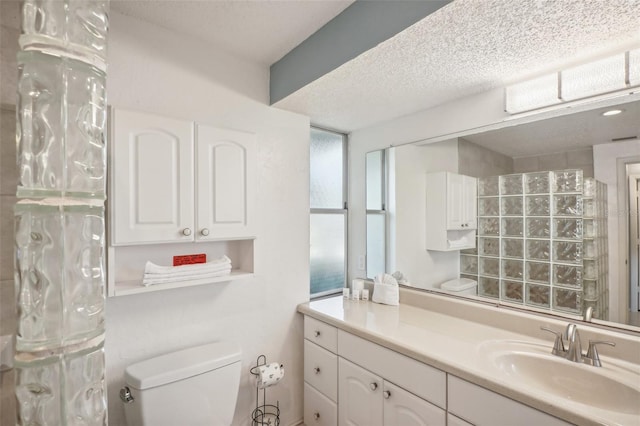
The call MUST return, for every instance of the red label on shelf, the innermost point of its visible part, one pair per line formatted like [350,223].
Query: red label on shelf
[189,259]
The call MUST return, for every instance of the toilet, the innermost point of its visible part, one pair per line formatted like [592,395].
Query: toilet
[460,286]
[195,386]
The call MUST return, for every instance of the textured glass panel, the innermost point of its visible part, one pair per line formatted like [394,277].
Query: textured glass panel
[590,269]
[327,252]
[567,275]
[568,229]
[512,248]
[326,170]
[512,227]
[538,228]
[567,252]
[489,246]
[489,266]
[567,205]
[589,247]
[85,387]
[469,264]
[590,289]
[488,186]
[590,228]
[511,184]
[532,94]
[589,207]
[538,249]
[38,393]
[537,183]
[489,287]
[489,226]
[538,295]
[567,181]
[374,172]
[567,300]
[511,206]
[376,231]
[537,205]
[589,187]
[512,269]
[539,272]
[488,206]
[512,291]
[593,78]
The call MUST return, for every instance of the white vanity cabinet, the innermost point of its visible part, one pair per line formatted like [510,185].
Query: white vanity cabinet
[320,373]
[176,181]
[451,211]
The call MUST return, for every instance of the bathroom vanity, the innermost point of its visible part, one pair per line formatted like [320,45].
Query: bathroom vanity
[371,364]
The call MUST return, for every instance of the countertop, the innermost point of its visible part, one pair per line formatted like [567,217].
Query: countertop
[457,346]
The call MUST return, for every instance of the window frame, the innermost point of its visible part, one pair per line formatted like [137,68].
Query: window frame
[384,180]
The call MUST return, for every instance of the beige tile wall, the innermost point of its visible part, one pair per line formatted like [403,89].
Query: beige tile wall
[578,159]
[477,161]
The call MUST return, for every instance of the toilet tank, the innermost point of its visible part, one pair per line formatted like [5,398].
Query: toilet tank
[195,386]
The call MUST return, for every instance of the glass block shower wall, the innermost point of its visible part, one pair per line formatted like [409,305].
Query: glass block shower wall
[542,242]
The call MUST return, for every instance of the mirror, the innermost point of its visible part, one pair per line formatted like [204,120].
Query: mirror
[591,144]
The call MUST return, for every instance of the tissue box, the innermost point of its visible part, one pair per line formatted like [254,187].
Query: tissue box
[386,294]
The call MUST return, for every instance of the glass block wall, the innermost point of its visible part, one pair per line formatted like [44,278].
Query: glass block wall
[541,241]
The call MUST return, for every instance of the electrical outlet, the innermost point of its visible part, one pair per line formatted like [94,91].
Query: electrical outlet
[361,263]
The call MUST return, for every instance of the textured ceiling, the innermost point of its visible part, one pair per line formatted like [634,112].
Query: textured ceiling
[259,30]
[466,47]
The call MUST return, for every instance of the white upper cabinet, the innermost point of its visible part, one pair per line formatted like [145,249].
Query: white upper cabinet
[176,181]
[151,178]
[461,192]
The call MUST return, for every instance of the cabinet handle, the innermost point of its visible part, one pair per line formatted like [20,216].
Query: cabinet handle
[386,394]
[373,386]
[186,232]
[204,232]
[317,370]
[316,416]
[317,333]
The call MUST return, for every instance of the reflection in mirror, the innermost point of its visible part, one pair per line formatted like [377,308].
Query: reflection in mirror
[557,223]
[376,212]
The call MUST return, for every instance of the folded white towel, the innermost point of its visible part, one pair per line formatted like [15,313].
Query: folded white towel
[181,273]
[213,265]
[163,279]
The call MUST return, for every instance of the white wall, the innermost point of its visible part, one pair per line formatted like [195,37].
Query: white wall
[609,167]
[154,70]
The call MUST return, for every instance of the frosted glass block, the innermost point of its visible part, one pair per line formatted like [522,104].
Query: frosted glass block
[327,252]
[489,246]
[538,295]
[567,252]
[511,206]
[489,266]
[590,248]
[589,207]
[568,229]
[537,205]
[489,226]
[469,264]
[567,181]
[512,227]
[376,238]
[567,275]
[512,291]
[589,188]
[488,206]
[511,184]
[38,392]
[590,269]
[513,269]
[567,205]
[85,389]
[538,228]
[537,183]
[375,179]
[489,287]
[488,186]
[567,300]
[326,169]
[593,78]
[590,228]
[538,271]
[590,288]
[538,249]
[532,94]
[512,248]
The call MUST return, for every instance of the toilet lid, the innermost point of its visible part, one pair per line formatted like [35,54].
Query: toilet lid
[459,284]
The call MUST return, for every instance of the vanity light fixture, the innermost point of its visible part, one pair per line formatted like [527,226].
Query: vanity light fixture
[611,112]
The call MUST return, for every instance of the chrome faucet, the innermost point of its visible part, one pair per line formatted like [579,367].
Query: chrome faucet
[574,350]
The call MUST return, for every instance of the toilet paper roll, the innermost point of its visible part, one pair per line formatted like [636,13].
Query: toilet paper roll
[270,374]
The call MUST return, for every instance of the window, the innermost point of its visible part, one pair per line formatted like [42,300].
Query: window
[376,212]
[328,222]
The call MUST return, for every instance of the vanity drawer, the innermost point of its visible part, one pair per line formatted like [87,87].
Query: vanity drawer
[318,409]
[420,379]
[321,334]
[321,369]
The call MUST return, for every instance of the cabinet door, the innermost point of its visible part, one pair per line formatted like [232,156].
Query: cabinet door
[470,202]
[455,200]
[359,396]
[404,408]
[225,183]
[151,178]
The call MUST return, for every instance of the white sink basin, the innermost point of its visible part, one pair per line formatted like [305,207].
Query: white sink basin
[612,387]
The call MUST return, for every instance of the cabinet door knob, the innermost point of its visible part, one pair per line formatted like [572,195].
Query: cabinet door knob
[386,394]
[204,232]
[316,416]
[373,386]
[186,232]
[317,370]
[317,333]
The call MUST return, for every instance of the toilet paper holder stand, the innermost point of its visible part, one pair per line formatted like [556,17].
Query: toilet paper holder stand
[264,414]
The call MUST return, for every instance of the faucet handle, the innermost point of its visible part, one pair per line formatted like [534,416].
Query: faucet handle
[558,345]
[592,357]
